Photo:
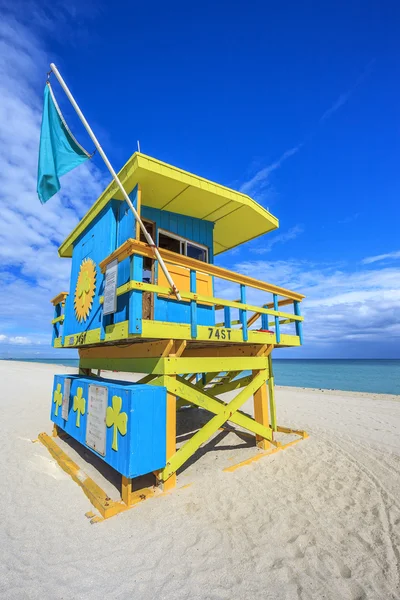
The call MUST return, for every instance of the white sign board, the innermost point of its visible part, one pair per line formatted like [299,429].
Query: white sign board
[110,288]
[96,418]
[65,400]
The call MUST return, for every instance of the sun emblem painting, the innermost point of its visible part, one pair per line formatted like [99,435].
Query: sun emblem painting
[85,289]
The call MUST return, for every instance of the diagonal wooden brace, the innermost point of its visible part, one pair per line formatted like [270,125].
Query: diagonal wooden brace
[205,400]
[223,412]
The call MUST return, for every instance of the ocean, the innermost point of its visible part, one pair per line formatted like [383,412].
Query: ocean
[375,376]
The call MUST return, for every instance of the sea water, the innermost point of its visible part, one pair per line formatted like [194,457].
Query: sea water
[375,376]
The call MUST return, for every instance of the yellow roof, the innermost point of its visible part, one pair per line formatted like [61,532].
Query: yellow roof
[237,217]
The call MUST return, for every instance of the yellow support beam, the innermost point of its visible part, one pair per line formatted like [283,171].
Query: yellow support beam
[225,413]
[98,497]
[58,320]
[202,398]
[176,366]
[261,413]
[59,299]
[271,392]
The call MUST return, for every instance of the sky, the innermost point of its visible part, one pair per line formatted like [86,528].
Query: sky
[296,104]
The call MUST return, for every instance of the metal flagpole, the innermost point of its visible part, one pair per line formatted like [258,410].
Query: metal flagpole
[116,179]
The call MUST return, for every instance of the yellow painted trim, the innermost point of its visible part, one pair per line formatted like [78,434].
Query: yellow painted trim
[221,203]
[177,331]
[58,320]
[139,210]
[244,349]
[59,298]
[100,500]
[204,399]
[132,246]
[175,366]
[260,455]
[222,324]
[260,402]
[141,349]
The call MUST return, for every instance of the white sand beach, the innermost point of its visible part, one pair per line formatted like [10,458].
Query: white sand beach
[320,520]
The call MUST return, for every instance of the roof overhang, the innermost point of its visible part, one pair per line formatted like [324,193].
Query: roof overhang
[236,217]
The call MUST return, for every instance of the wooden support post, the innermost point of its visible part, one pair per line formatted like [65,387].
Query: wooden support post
[271,392]
[299,324]
[177,351]
[135,296]
[170,483]
[85,372]
[243,313]
[227,317]
[57,313]
[261,413]
[277,326]
[126,490]
[264,322]
[193,305]
[103,325]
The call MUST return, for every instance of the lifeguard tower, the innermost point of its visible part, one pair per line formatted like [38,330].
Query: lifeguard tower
[121,315]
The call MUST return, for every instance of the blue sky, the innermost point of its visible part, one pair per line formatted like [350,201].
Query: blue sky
[297,104]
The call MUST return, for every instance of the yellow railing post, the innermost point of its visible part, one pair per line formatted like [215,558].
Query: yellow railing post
[271,393]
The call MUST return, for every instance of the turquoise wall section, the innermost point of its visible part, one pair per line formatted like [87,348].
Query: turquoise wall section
[142,449]
[111,228]
[188,227]
[96,242]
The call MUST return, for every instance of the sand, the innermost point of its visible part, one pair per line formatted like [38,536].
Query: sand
[320,520]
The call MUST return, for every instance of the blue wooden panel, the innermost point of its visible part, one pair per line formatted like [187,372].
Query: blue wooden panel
[172,311]
[227,317]
[135,296]
[277,326]
[96,242]
[188,227]
[126,228]
[299,324]
[243,313]
[142,449]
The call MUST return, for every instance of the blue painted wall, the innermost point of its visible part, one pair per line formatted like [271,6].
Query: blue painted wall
[96,242]
[111,228]
[143,448]
[188,227]
[126,228]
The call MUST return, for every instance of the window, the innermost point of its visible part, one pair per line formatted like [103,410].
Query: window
[195,251]
[170,241]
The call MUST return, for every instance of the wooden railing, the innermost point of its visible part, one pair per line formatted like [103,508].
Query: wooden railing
[133,248]
[59,307]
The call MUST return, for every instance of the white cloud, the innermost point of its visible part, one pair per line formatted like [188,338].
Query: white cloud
[341,305]
[344,97]
[373,259]
[257,184]
[31,272]
[265,245]
[17,339]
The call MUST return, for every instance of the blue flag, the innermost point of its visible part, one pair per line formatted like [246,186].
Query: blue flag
[59,152]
